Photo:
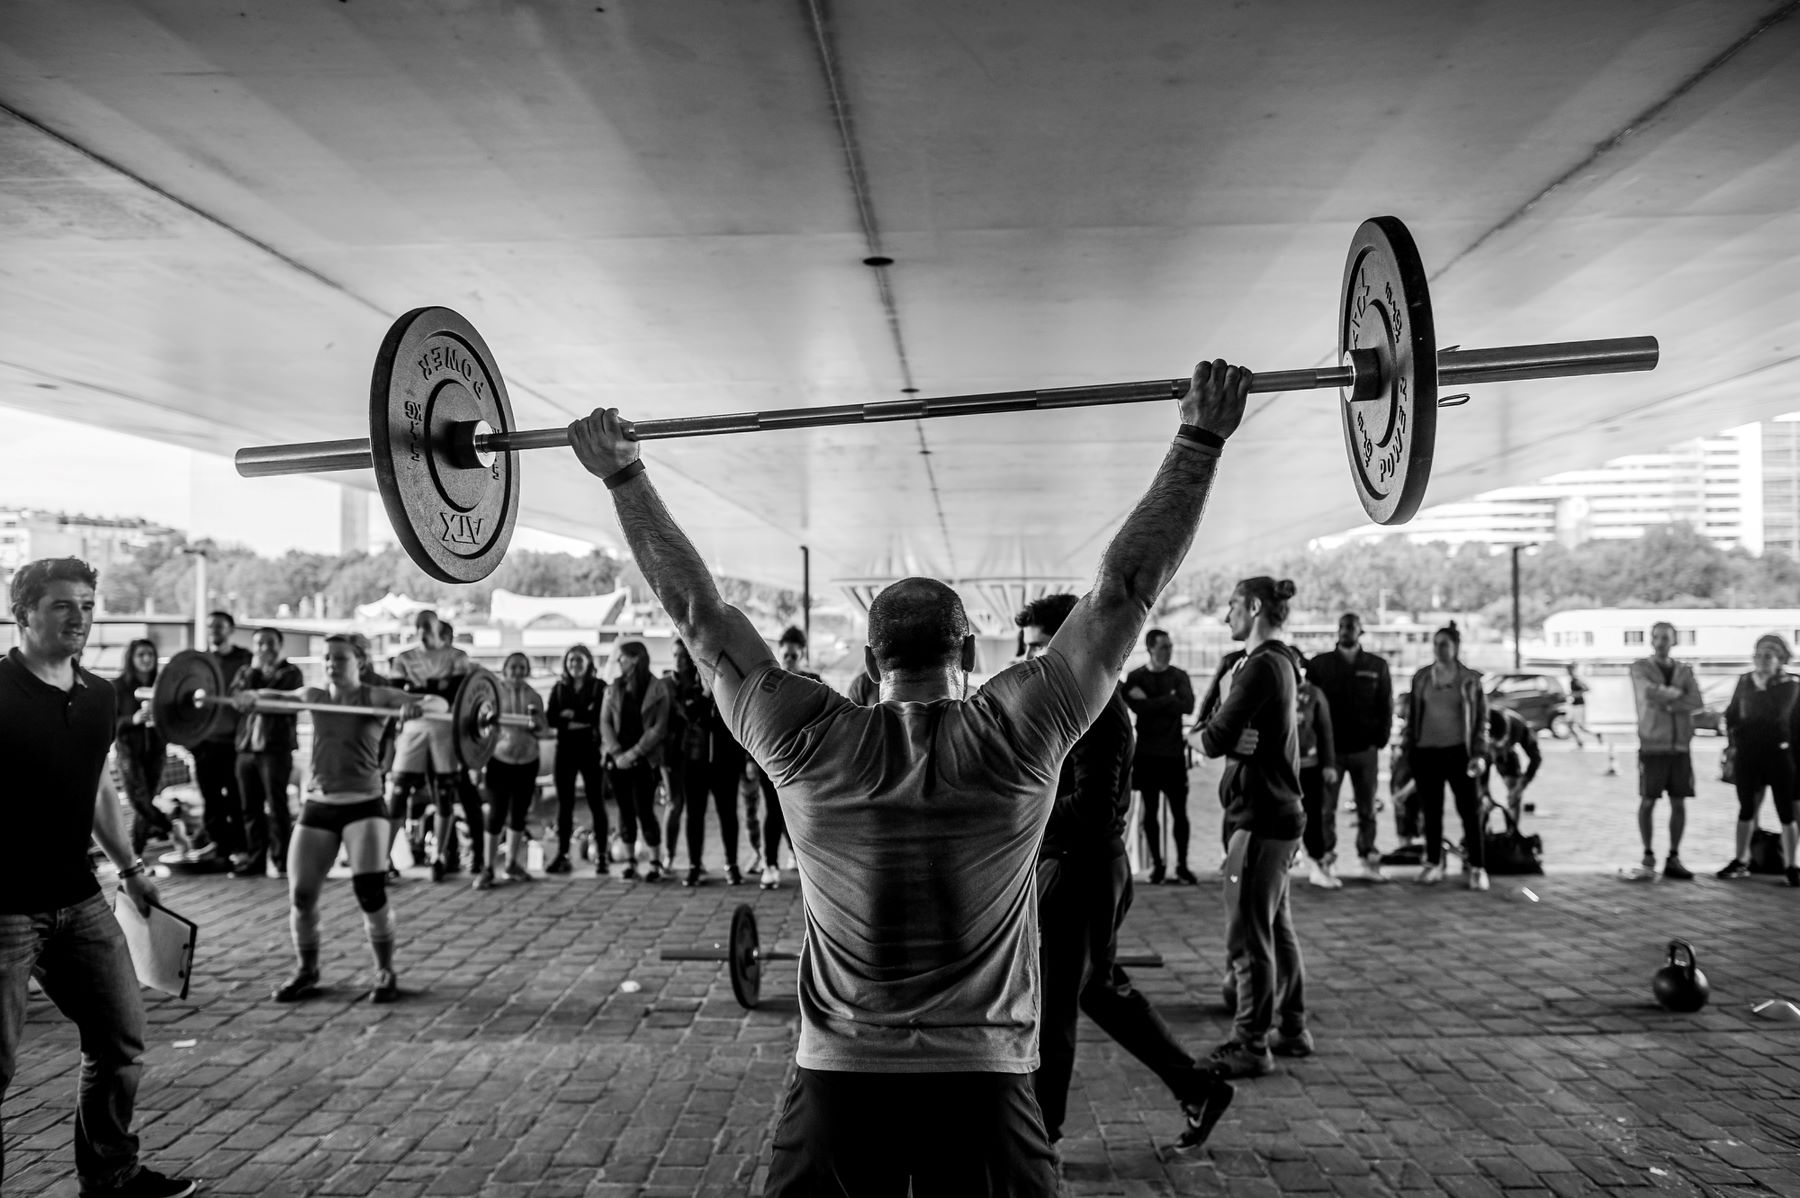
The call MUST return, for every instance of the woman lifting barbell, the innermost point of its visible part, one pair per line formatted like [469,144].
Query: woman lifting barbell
[343,806]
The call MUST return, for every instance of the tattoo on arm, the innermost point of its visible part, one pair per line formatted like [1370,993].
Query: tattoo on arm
[670,563]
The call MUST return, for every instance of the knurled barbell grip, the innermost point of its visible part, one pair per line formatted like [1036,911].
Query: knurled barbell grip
[1456,368]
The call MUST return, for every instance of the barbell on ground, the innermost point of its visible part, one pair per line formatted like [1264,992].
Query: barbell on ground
[744,955]
[189,703]
[443,446]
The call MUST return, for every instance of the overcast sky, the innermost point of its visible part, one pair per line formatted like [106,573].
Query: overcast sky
[67,467]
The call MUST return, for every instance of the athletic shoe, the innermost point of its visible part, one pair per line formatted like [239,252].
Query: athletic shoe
[733,877]
[771,878]
[1318,876]
[1371,868]
[1733,870]
[516,872]
[1234,1058]
[437,871]
[629,873]
[484,880]
[653,872]
[1202,1115]
[304,984]
[1431,875]
[1156,874]
[387,987]
[1477,879]
[1649,860]
[560,865]
[603,871]
[1793,875]
[692,877]
[1185,876]
[147,1183]
[248,867]
[1300,1044]
[1674,870]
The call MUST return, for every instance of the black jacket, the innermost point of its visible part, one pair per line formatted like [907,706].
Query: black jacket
[1093,792]
[583,702]
[1260,792]
[1361,694]
[268,731]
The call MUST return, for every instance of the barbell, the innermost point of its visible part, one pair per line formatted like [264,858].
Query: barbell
[744,955]
[443,446]
[189,702]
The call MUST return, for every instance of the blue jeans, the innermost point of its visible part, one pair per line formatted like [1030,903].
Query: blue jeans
[78,954]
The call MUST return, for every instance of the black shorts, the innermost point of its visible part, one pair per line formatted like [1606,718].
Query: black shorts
[975,1134]
[1160,775]
[1670,773]
[335,817]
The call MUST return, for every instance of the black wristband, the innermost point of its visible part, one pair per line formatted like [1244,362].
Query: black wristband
[133,870]
[1193,432]
[623,475]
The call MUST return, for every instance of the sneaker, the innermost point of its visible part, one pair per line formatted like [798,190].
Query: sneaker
[629,873]
[653,872]
[1300,1044]
[733,877]
[560,865]
[304,984]
[516,872]
[1371,868]
[1185,876]
[1202,1115]
[1319,876]
[387,987]
[1793,875]
[1477,879]
[1649,860]
[484,880]
[1431,875]
[249,867]
[771,878]
[148,1183]
[692,877]
[1234,1058]
[603,871]
[1157,874]
[1675,870]
[1733,870]
[437,871]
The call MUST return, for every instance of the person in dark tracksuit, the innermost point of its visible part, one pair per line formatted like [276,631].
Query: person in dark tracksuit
[1084,892]
[1254,727]
[1160,696]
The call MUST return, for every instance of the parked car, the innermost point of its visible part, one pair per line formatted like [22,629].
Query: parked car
[1539,699]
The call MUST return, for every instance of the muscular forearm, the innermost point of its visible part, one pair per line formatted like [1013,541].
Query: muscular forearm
[669,561]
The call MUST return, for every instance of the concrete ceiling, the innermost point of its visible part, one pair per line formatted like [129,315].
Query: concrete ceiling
[209,214]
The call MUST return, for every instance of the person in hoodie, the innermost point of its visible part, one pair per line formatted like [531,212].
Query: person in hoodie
[1254,725]
[1667,697]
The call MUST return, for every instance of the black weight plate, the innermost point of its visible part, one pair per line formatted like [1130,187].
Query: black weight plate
[453,518]
[172,706]
[475,718]
[1386,308]
[746,958]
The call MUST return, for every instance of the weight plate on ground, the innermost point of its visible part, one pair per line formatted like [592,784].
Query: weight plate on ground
[453,512]
[179,720]
[1386,309]
[746,958]
[475,718]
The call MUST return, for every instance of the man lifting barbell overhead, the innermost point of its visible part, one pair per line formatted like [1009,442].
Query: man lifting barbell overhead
[915,825]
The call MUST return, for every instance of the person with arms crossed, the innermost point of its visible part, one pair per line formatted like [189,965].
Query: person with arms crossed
[916,824]
[265,759]
[1667,696]
[56,725]
[1159,695]
[215,758]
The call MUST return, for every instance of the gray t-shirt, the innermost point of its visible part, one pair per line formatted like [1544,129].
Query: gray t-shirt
[916,829]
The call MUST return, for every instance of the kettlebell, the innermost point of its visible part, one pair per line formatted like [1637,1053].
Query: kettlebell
[1680,987]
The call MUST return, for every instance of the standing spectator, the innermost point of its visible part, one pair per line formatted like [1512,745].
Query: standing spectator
[141,750]
[1361,698]
[684,692]
[1318,775]
[1253,727]
[1160,694]
[715,763]
[634,718]
[215,758]
[266,741]
[574,713]
[56,724]
[1446,744]
[792,651]
[424,762]
[512,773]
[1578,692]
[1763,722]
[1667,696]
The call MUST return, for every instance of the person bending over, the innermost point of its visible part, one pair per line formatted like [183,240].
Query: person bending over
[1254,727]
[1084,891]
[915,824]
[56,725]
[342,808]
[1509,738]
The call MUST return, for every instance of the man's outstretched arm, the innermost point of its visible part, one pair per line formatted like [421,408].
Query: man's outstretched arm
[1148,548]
[724,644]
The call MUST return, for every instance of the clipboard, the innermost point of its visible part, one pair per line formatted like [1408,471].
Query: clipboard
[161,944]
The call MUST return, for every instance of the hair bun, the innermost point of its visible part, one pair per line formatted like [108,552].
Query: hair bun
[1452,626]
[1284,589]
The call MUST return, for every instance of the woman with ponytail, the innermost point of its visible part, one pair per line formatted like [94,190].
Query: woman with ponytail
[1253,724]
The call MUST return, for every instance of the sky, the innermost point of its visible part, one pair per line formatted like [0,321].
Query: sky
[112,474]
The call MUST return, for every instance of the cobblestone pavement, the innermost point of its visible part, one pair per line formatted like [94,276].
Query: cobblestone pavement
[1474,1045]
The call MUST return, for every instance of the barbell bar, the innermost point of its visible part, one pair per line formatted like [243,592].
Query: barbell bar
[744,956]
[443,446]
[300,706]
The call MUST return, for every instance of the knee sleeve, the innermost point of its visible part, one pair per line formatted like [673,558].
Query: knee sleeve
[371,890]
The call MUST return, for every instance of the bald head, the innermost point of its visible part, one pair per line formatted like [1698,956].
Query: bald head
[917,624]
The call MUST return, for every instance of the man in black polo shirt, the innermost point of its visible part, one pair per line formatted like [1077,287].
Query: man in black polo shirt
[56,725]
